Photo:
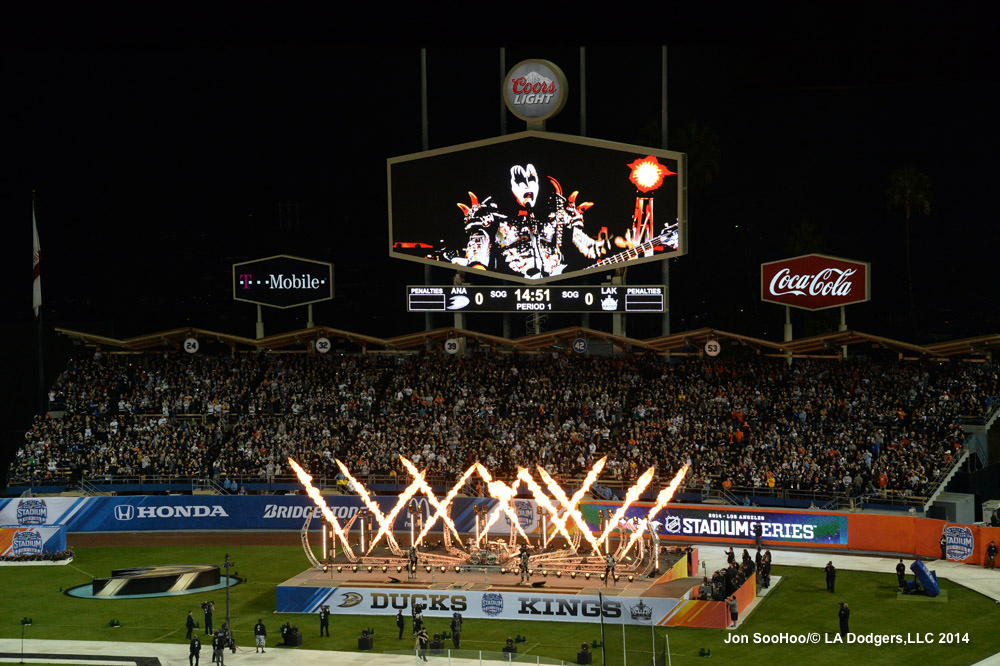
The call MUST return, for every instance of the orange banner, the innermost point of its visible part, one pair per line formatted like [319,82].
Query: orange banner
[710,614]
[679,570]
[919,537]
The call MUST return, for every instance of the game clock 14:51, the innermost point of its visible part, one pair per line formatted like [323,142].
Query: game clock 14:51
[577,298]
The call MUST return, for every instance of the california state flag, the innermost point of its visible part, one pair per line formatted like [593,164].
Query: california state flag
[36,257]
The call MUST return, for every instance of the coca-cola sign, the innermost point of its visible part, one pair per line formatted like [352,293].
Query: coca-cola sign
[815,282]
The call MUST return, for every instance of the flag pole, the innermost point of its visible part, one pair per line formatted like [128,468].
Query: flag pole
[604,652]
[37,304]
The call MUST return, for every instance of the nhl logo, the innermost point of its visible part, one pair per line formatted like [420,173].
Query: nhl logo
[26,543]
[641,612]
[960,542]
[672,524]
[32,512]
[492,604]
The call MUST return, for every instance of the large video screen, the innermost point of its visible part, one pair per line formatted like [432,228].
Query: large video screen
[534,207]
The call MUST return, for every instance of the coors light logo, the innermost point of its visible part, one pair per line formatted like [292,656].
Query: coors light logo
[535,90]
[815,282]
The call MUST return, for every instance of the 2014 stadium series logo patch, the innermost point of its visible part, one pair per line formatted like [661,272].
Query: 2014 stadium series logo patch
[492,604]
[960,542]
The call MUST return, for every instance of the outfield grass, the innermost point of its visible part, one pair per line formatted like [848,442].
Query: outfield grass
[800,605]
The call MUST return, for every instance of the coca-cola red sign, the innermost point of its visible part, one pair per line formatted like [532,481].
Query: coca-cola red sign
[815,282]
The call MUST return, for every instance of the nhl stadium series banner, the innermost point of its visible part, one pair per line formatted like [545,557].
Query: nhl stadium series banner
[679,523]
[288,512]
[727,524]
[23,541]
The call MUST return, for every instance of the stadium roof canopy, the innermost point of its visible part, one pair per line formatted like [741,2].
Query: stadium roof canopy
[688,342]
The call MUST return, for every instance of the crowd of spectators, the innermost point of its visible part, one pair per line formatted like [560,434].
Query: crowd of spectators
[858,426]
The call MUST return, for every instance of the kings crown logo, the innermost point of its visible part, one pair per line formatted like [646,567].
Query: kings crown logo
[641,612]
[26,543]
[609,303]
[492,604]
[32,512]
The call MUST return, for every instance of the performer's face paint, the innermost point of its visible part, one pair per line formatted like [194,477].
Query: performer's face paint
[524,184]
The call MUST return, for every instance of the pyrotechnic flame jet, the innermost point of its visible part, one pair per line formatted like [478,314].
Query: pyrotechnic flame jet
[630,497]
[504,494]
[543,500]
[665,495]
[570,504]
[442,506]
[313,492]
[385,523]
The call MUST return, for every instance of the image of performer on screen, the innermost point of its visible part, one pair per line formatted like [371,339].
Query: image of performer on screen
[534,240]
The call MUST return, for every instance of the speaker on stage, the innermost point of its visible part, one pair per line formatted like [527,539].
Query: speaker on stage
[538,584]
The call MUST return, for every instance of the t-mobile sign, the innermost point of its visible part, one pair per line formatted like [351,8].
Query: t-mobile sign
[815,282]
[283,281]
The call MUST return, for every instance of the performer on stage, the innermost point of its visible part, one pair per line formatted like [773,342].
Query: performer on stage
[411,556]
[525,575]
[609,569]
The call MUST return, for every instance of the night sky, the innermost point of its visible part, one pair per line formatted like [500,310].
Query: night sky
[159,165]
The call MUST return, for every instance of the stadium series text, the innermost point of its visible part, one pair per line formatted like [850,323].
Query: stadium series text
[928,638]
[728,527]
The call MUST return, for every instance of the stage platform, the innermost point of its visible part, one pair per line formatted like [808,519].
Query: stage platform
[486,581]
[564,587]
[556,571]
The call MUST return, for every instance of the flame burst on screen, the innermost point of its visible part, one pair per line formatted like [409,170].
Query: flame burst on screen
[647,173]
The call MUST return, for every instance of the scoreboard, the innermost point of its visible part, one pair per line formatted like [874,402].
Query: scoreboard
[586,298]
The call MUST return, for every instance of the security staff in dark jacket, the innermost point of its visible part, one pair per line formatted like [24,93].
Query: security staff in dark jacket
[991,555]
[208,607]
[901,573]
[456,630]
[400,622]
[831,576]
[195,656]
[190,625]
[219,648]
[324,620]
[844,614]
